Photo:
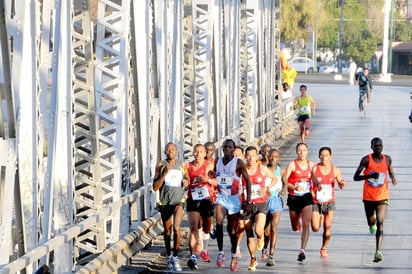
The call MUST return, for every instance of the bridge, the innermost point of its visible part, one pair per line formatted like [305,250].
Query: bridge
[91,91]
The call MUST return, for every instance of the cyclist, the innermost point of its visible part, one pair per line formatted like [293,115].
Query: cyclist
[365,86]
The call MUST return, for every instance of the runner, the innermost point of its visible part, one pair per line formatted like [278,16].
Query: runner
[275,207]
[376,167]
[171,180]
[324,175]
[255,213]
[306,107]
[298,177]
[228,172]
[200,207]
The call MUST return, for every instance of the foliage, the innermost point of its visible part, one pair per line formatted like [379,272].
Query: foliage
[362,25]
[402,30]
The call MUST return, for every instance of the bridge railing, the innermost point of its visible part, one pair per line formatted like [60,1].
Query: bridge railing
[144,219]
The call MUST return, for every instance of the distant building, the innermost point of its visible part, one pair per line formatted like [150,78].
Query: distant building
[401,58]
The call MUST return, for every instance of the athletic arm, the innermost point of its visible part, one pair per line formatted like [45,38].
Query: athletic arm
[242,172]
[362,166]
[267,173]
[313,102]
[159,177]
[339,178]
[390,170]
[285,177]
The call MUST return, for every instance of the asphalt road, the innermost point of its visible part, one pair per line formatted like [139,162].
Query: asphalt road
[339,125]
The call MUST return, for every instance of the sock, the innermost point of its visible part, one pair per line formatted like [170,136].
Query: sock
[206,237]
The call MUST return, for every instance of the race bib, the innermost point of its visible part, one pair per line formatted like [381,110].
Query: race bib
[274,191]
[174,178]
[224,184]
[268,181]
[200,193]
[305,109]
[377,182]
[304,186]
[254,192]
[325,194]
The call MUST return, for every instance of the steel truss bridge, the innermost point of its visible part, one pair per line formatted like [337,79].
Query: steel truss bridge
[91,92]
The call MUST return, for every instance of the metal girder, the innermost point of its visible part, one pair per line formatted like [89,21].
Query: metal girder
[145,89]
[22,28]
[169,58]
[87,189]
[198,82]
[8,146]
[102,117]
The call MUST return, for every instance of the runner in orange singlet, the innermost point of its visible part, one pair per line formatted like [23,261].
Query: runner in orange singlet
[376,167]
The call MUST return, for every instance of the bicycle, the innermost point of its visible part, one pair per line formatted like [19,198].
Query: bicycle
[363,101]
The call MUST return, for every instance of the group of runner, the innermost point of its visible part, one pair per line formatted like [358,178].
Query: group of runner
[248,189]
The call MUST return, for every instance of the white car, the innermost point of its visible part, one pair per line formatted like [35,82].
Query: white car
[302,64]
[333,68]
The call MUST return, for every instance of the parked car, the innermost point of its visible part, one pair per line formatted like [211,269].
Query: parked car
[333,68]
[302,64]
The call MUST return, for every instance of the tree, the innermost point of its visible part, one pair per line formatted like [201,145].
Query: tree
[362,30]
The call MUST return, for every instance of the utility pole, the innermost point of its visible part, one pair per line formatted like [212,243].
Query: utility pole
[391,35]
[342,12]
[386,77]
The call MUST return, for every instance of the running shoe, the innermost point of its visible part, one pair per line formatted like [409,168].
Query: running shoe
[301,256]
[192,263]
[205,256]
[372,229]
[234,264]
[253,264]
[220,262]
[270,261]
[170,262]
[260,243]
[176,265]
[323,252]
[265,254]
[378,256]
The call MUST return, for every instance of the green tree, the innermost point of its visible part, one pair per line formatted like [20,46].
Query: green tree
[362,29]
[402,29]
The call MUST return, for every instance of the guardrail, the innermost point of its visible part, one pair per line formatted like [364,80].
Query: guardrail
[139,216]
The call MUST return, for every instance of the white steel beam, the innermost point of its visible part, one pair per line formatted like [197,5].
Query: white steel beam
[21,26]
[110,85]
[198,89]
[7,146]
[145,77]
[58,181]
